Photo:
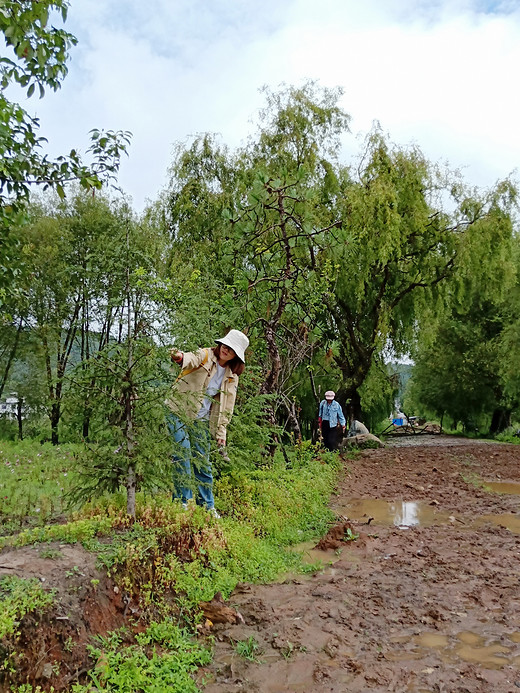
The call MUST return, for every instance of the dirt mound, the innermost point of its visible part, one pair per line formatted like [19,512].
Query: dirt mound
[337,537]
[50,650]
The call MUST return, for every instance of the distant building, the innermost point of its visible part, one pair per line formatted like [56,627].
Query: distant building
[9,406]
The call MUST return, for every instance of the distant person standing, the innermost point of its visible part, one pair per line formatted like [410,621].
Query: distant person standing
[330,419]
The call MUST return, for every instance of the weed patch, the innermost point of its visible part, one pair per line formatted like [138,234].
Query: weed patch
[166,561]
[17,598]
[248,649]
[162,658]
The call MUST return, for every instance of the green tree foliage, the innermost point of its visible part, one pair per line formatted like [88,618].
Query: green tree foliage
[465,363]
[318,257]
[406,229]
[121,386]
[261,213]
[36,60]
[69,302]
[456,370]
[509,350]
[54,302]
[95,311]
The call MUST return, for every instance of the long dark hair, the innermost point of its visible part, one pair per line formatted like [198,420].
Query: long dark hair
[237,366]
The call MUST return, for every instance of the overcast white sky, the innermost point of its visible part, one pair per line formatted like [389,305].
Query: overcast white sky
[440,73]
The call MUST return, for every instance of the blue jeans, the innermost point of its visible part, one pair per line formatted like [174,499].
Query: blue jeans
[191,455]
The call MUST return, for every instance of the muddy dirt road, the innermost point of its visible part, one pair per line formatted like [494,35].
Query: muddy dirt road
[426,599]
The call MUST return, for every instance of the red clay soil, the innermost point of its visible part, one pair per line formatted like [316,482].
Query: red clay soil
[427,599]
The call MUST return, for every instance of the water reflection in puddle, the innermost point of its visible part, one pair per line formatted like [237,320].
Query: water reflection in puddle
[398,513]
[510,487]
[406,514]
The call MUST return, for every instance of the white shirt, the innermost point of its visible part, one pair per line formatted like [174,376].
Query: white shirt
[214,386]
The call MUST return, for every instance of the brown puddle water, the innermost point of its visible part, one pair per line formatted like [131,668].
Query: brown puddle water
[399,513]
[405,514]
[310,555]
[510,487]
[467,646]
[507,520]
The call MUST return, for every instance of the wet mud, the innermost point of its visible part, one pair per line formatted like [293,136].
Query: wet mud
[426,598]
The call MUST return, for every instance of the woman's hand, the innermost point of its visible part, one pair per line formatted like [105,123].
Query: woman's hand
[221,442]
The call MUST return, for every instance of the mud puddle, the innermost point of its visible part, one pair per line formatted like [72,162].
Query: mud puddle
[397,513]
[311,555]
[321,560]
[406,514]
[509,521]
[467,646]
[509,487]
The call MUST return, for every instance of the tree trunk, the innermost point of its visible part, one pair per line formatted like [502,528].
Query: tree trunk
[130,491]
[86,426]
[128,398]
[55,420]
[19,408]
[350,402]
[11,357]
[130,450]
[271,379]
[500,420]
[293,417]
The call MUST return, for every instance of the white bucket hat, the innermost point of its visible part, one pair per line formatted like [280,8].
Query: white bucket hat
[330,394]
[237,341]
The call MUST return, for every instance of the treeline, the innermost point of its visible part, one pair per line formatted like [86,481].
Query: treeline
[333,268]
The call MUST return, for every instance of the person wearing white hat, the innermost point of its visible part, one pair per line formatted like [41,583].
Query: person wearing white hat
[330,419]
[201,406]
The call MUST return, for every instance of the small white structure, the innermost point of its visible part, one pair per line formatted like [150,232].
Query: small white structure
[9,406]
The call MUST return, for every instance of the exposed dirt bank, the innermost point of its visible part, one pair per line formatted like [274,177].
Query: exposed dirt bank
[427,599]
[51,650]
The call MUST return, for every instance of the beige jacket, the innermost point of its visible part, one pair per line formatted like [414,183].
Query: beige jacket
[190,387]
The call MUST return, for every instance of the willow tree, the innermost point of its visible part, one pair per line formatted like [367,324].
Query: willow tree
[262,214]
[465,359]
[318,257]
[407,230]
